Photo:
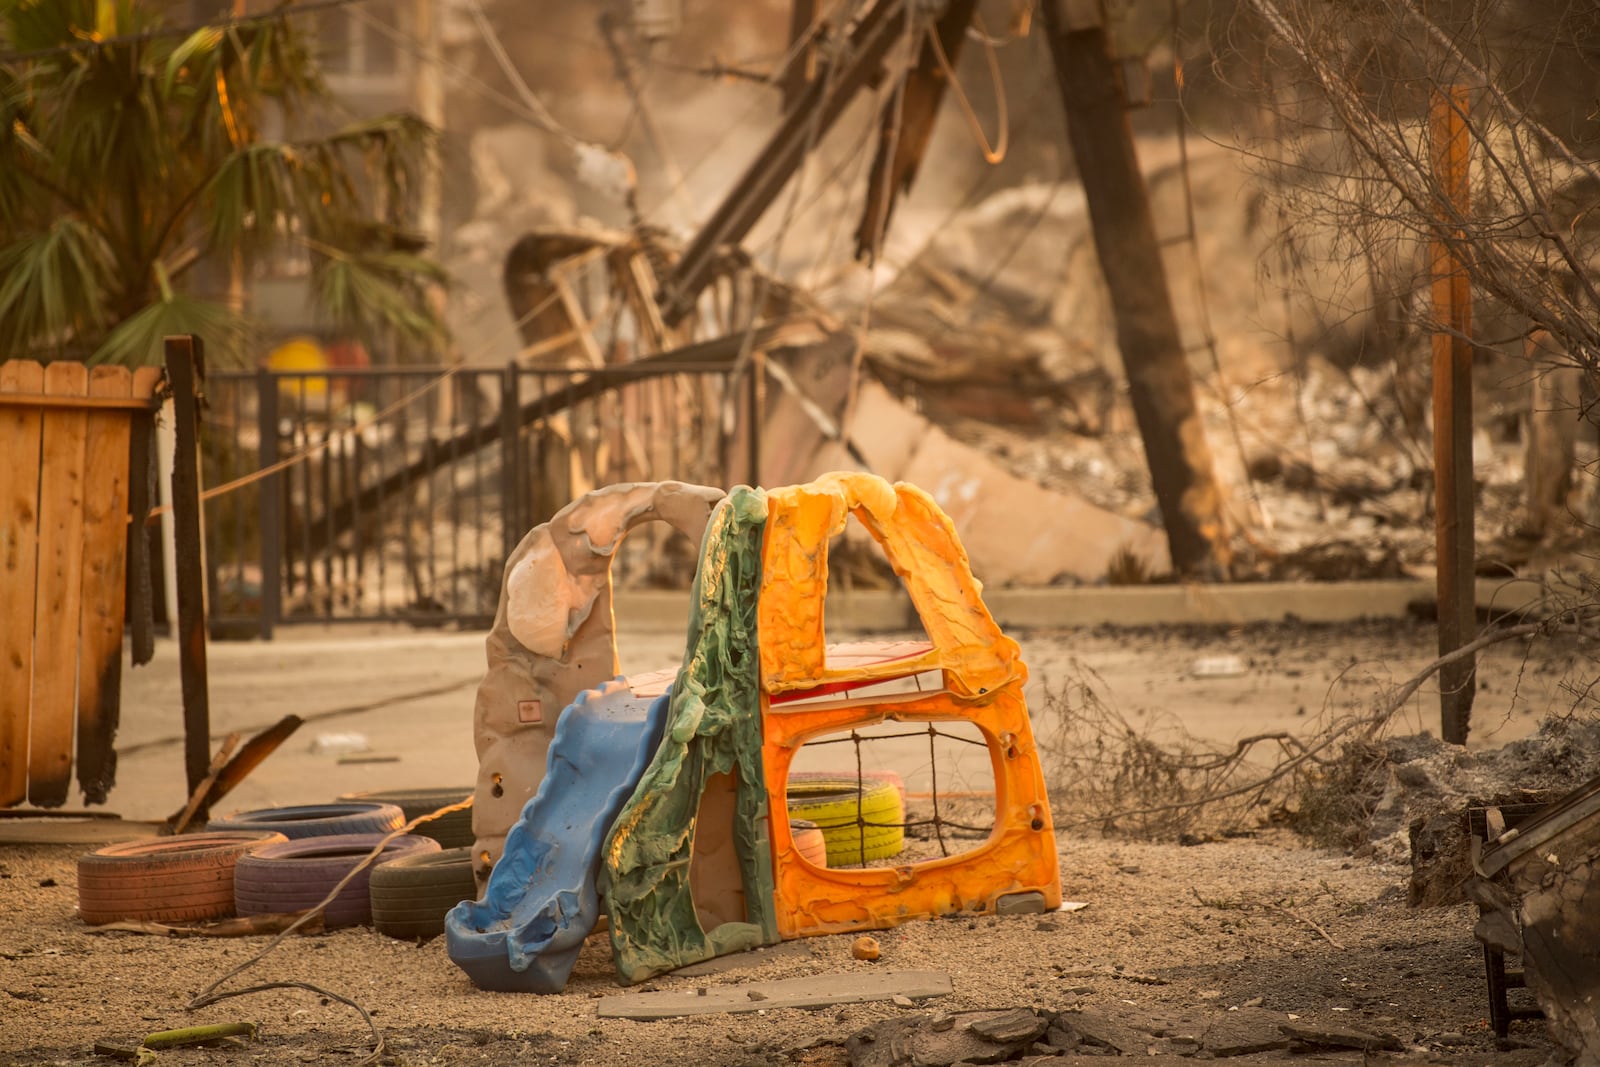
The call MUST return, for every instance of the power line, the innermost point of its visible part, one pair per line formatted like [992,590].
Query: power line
[156,33]
[542,116]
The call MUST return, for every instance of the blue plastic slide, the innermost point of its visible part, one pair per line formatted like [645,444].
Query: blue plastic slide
[541,901]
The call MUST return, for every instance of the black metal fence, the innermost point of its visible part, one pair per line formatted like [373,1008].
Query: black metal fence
[397,493]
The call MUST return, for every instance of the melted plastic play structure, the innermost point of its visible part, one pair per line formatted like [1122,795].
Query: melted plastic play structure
[668,806]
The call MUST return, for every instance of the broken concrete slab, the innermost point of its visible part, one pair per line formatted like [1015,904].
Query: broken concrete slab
[1305,1037]
[1100,1031]
[1015,531]
[992,1037]
[1007,1027]
[739,961]
[813,991]
[1243,1032]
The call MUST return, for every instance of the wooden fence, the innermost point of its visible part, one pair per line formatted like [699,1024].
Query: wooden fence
[65,442]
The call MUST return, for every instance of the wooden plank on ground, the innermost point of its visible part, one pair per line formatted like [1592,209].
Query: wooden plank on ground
[812,991]
[105,545]
[55,675]
[19,553]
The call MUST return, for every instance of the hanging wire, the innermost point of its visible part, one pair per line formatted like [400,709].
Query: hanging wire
[997,153]
[875,240]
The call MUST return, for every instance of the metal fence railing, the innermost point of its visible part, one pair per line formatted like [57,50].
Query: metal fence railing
[397,493]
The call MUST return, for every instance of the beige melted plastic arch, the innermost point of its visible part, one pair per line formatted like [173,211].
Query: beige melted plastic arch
[554,636]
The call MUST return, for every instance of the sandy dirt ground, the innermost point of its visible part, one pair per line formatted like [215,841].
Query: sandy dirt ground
[1175,941]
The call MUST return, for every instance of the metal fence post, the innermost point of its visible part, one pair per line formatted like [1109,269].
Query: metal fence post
[271,503]
[511,488]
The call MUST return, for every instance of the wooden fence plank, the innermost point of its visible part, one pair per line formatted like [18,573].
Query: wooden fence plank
[105,535]
[60,568]
[140,608]
[19,543]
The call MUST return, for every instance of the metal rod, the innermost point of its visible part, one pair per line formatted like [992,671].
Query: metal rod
[271,503]
[1452,416]
[511,524]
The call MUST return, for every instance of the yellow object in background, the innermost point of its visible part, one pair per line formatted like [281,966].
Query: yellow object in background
[301,354]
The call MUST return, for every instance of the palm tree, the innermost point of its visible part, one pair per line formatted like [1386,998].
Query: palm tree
[130,153]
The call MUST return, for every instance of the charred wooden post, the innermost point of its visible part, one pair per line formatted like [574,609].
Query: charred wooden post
[1452,417]
[919,107]
[186,370]
[1159,380]
[802,56]
[814,113]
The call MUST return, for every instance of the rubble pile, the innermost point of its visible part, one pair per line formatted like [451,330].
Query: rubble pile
[1419,817]
[1036,1036]
[998,331]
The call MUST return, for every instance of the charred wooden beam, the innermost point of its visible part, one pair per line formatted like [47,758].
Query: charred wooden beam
[919,107]
[802,53]
[1160,383]
[818,108]
[229,768]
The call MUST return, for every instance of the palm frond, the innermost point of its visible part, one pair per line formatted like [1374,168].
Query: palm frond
[120,158]
[372,291]
[138,339]
[53,288]
[31,26]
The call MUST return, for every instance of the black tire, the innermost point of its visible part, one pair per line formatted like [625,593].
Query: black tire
[316,820]
[411,896]
[296,875]
[451,831]
[169,879]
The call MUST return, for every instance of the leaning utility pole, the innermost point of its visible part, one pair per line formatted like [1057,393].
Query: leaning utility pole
[1159,381]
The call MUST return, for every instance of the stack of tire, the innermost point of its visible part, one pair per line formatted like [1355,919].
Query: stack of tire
[325,843]
[451,830]
[411,896]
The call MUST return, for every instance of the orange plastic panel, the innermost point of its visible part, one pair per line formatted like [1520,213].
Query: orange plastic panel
[983,677]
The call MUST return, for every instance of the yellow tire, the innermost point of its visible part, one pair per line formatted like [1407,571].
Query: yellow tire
[860,820]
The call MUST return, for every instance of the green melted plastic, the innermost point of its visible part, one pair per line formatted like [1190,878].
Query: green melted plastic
[713,727]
